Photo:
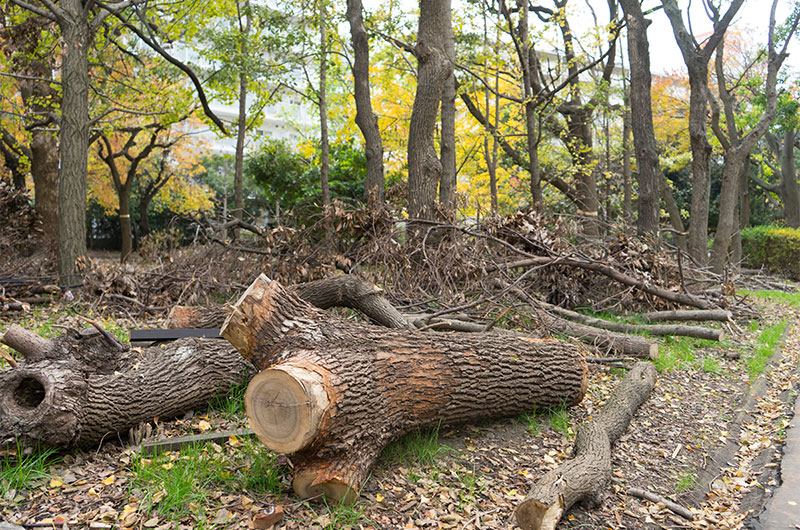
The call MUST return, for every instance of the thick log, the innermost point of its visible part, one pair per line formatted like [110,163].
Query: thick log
[334,392]
[619,327]
[78,390]
[629,345]
[27,343]
[344,290]
[719,315]
[585,476]
[611,272]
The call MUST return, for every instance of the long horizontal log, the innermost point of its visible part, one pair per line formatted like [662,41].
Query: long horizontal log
[630,345]
[585,476]
[619,327]
[334,392]
[719,315]
[611,272]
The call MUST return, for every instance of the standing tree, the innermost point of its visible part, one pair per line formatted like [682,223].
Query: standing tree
[696,57]
[736,145]
[366,119]
[433,69]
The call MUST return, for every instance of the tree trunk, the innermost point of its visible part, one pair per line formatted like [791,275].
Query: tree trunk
[644,138]
[144,221]
[74,141]
[586,475]
[790,191]
[79,388]
[44,168]
[366,119]
[324,163]
[354,388]
[125,224]
[447,181]
[674,213]
[241,123]
[434,67]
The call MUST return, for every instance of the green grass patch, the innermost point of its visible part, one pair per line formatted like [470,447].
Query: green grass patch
[792,299]
[766,343]
[340,515]
[421,446]
[230,403]
[531,421]
[23,470]
[680,353]
[559,421]
[685,482]
[177,484]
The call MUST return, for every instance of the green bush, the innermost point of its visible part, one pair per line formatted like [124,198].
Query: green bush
[775,247]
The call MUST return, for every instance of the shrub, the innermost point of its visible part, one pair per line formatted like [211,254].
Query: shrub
[775,247]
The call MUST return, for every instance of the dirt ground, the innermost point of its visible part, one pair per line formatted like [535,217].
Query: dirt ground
[709,437]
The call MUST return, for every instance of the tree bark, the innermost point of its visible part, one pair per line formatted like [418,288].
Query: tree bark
[324,164]
[73,141]
[719,315]
[354,388]
[644,139]
[586,475]
[790,192]
[434,67]
[77,389]
[241,122]
[447,148]
[366,119]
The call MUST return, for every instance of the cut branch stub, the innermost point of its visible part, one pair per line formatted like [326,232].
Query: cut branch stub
[27,343]
[334,392]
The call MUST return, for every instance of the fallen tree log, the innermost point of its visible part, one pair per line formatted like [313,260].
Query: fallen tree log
[619,327]
[719,315]
[343,290]
[630,345]
[611,272]
[334,392]
[78,388]
[585,476]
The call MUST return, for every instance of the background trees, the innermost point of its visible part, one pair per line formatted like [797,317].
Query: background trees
[531,116]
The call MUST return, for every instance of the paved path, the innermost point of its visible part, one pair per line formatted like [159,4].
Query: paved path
[783,509]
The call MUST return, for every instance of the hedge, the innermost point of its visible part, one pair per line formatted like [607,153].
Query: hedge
[776,248]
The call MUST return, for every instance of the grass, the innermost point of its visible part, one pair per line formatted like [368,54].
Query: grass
[421,447]
[472,485]
[792,299]
[685,482]
[532,422]
[178,483]
[680,353]
[766,343]
[559,421]
[23,470]
[340,515]
[230,403]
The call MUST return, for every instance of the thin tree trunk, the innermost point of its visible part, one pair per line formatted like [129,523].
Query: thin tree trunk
[447,182]
[241,124]
[790,192]
[627,184]
[125,224]
[74,141]
[366,119]
[323,107]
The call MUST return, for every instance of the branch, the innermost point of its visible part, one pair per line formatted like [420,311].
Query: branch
[53,12]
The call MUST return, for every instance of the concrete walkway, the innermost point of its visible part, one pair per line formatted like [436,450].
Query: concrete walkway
[783,509]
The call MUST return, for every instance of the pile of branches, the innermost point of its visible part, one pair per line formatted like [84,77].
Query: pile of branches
[22,227]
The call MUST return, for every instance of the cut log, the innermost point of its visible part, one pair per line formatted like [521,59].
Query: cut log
[619,327]
[344,290]
[629,345]
[334,392]
[585,476]
[75,389]
[719,315]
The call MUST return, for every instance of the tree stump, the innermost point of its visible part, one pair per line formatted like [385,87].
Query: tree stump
[334,392]
[80,387]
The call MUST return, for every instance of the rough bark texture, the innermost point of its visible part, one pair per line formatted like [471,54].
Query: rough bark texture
[353,388]
[366,119]
[434,67]
[78,388]
[74,140]
[629,345]
[790,192]
[585,476]
[447,181]
[644,139]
